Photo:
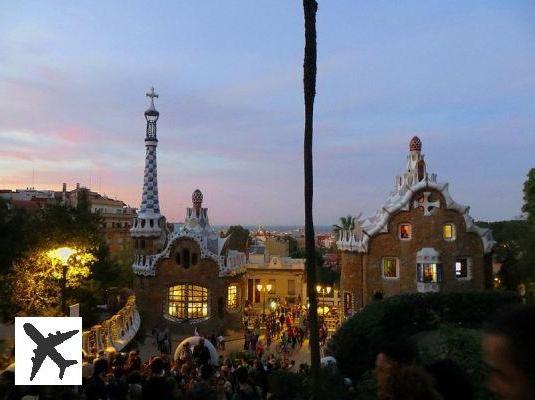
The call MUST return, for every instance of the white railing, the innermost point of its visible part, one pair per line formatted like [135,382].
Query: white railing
[114,333]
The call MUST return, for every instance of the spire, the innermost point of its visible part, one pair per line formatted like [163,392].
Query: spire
[151,115]
[150,204]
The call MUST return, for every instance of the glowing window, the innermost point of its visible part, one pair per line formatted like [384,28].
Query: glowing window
[405,231]
[448,231]
[188,302]
[461,268]
[430,273]
[232,297]
[390,267]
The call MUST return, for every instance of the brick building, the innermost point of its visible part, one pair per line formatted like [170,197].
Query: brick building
[184,275]
[420,240]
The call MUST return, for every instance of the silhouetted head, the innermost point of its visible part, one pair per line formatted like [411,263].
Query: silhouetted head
[509,350]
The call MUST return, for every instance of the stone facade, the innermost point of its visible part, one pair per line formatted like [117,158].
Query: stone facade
[419,241]
[153,292]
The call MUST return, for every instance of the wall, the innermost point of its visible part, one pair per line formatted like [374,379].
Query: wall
[151,292]
[426,232]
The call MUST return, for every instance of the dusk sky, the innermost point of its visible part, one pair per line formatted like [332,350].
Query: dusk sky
[460,75]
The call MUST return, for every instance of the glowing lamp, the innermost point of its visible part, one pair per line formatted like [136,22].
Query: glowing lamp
[62,254]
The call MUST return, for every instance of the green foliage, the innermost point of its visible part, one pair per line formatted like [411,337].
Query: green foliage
[529,196]
[346,223]
[463,346]
[289,385]
[357,342]
[17,233]
[239,238]
[28,236]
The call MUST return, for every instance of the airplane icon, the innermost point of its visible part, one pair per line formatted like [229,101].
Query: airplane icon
[47,347]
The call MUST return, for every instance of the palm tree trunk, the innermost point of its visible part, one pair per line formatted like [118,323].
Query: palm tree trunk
[309,83]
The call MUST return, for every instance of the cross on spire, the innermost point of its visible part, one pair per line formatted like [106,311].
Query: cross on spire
[152,94]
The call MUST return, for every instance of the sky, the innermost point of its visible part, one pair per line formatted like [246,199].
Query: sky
[460,75]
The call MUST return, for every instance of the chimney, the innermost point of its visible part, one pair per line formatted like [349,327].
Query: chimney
[77,186]
[64,193]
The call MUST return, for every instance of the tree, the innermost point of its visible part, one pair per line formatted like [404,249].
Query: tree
[529,196]
[239,238]
[39,282]
[309,85]
[346,223]
[17,229]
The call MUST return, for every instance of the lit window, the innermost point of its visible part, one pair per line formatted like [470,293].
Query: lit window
[461,268]
[188,302]
[448,231]
[429,272]
[232,297]
[405,231]
[390,267]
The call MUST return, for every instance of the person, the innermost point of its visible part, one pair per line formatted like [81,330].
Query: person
[388,363]
[201,354]
[96,387]
[509,352]
[186,356]
[409,382]
[245,390]
[202,389]
[450,380]
[157,386]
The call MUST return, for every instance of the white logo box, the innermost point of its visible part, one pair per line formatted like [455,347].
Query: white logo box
[70,350]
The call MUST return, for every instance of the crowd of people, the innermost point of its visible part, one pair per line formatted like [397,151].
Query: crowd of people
[287,326]
[191,376]
[508,352]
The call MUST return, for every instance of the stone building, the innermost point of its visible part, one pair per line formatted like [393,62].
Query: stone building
[285,277]
[420,240]
[184,274]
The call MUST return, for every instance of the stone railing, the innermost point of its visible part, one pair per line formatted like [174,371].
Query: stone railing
[114,333]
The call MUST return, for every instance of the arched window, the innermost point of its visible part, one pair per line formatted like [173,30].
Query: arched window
[194,259]
[151,222]
[178,258]
[142,223]
[185,258]
[187,302]
[232,297]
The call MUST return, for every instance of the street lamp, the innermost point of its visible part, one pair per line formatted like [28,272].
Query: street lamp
[62,254]
[264,288]
[323,290]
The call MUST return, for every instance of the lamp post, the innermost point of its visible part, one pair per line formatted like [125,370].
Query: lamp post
[323,290]
[264,288]
[62,254]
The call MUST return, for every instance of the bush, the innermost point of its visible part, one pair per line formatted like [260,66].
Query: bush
[357,342]
[289,385]
[463,346]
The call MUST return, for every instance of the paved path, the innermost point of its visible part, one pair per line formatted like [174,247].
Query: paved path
[232,344]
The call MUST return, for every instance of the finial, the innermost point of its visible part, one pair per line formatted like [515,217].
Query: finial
[151,111]
[196,198]
[415,144]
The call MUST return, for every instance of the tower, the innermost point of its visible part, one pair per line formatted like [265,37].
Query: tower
[149,230]
[416,170]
